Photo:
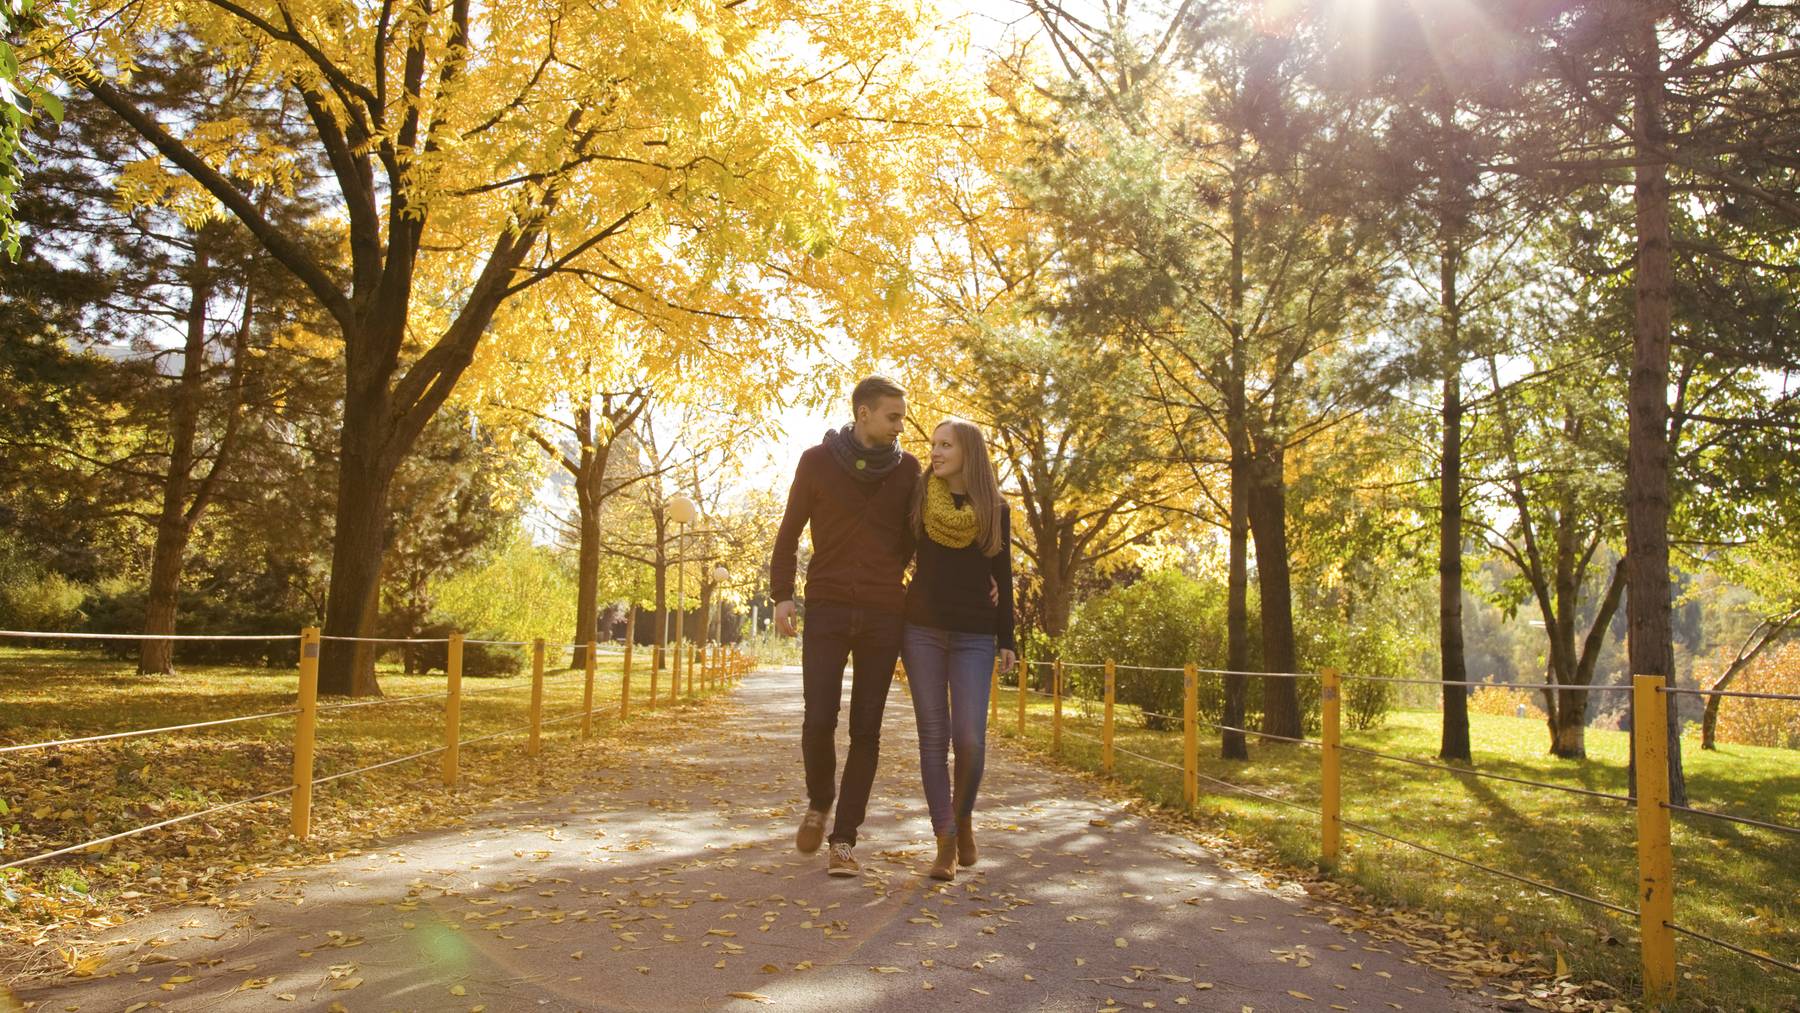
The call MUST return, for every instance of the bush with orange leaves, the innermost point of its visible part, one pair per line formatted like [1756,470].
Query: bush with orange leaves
[1772,723]
[1504,701]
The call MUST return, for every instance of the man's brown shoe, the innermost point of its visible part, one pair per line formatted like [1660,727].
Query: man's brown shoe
[965,843]
[842,864]
[945,866]
[812,831]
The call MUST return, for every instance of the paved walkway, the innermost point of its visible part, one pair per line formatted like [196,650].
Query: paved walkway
[671,883]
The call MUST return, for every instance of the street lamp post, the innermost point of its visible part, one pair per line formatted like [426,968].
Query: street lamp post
[683,512]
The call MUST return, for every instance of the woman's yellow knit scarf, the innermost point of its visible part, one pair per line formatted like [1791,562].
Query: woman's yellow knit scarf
[948,525]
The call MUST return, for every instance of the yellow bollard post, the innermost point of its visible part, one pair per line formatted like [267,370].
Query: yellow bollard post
[453,666]
[1190,722]
[655,672]
[1331,829]
[587,693]
[1106,737]
[1056,672]
[537,696]
[1656,862]
[305,726]
[994,695]
[1022,677]
[693,655]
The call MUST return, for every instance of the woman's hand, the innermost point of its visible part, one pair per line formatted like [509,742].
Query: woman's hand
[1007,660]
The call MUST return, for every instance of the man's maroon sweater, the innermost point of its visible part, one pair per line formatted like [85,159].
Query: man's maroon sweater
[861,538]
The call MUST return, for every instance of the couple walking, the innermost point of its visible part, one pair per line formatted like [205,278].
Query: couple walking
[872,512]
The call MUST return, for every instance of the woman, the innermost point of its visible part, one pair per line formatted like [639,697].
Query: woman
[953,629]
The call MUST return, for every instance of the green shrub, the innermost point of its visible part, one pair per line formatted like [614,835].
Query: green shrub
[1165,620]
[119,608]
[1168,619]
[524,592]
[1367,655]
[478,659]
[34,598]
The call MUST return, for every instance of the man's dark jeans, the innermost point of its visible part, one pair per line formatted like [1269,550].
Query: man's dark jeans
[870,640]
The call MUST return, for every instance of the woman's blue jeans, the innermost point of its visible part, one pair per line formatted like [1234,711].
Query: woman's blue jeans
[949,675]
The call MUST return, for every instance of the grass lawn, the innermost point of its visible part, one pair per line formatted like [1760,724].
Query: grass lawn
[52,798]
[1737,883]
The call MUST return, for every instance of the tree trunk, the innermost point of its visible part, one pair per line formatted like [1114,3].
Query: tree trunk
[358,546]
[706,615]
[1568,736]
[589,472]
[1059,599]
[1232,745]
[1648,601]
[1453,669]
[157,657]
[1268,524]
[1568,725]
[587,567]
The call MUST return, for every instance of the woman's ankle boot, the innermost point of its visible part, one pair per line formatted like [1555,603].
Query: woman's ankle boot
[945,866]
[965,843]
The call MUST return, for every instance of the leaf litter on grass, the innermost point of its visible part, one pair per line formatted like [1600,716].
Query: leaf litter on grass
[55,911]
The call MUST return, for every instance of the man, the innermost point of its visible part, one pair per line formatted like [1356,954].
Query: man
[856,490]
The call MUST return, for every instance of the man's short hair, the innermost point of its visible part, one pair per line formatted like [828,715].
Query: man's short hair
[872,389]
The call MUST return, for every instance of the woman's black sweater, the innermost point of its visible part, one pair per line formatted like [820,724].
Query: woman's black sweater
[949,589]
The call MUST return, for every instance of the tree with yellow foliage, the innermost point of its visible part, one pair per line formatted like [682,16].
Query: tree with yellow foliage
[684,163]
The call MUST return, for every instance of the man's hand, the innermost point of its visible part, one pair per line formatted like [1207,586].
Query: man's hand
[993,592]
[1007,660]
[784,618]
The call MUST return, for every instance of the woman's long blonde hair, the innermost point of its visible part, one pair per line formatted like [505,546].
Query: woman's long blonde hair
[978,477]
